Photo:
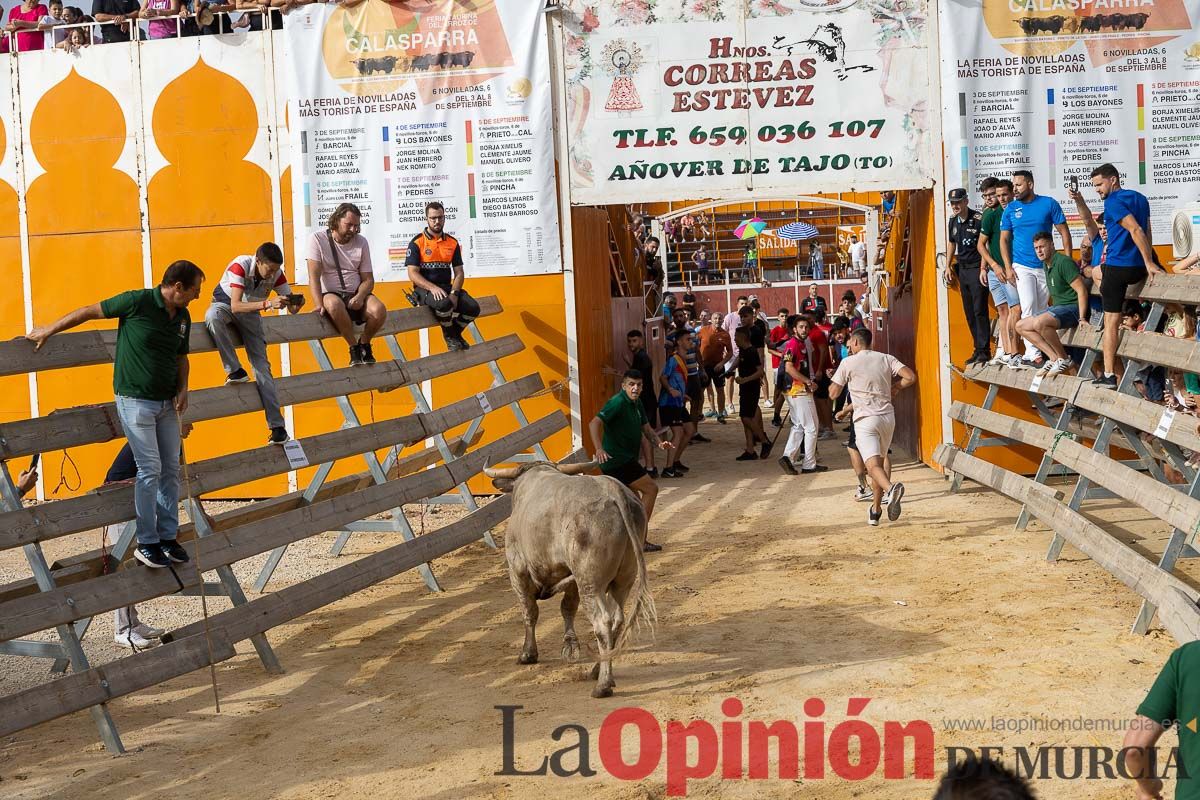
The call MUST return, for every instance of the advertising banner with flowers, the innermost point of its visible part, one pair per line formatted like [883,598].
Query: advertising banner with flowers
[392,105]
[682,99]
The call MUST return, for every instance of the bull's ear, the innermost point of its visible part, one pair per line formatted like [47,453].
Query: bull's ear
[503,484]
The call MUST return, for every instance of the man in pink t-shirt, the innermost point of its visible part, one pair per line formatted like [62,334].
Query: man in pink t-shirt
[871,380]
[340,281]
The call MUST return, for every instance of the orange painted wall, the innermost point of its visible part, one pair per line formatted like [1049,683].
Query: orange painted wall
[208,204]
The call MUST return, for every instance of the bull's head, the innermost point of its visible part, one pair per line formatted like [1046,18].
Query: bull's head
[505,478]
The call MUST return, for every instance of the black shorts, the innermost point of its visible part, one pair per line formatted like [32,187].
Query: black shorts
[650,406]
[695,396]
[670,416]
[748,397]
[822,390]
[357,316]
[1113,283]
[626,473]
[717,378]
[852,443]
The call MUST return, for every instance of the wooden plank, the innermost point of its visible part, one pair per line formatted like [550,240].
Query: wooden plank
[82,425]
[1176,600]
[1161,500]
[1151,348]
[81,690]
[186,649]
[87,599]
[99,346]
[82,566]
[114,503]
[1127,409]
[1169,288]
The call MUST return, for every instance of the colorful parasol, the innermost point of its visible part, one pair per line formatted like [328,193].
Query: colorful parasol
[750,228]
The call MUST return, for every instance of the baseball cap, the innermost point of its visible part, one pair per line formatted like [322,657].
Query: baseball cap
[957,195]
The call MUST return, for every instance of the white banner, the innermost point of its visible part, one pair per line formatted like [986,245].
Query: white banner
[391,108]
[1061,86]
[679,99]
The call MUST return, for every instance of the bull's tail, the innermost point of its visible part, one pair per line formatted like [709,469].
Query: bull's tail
[643,614]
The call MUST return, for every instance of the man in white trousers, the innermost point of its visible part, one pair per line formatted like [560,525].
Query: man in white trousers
[797,362]
[872,381]
[1029,214]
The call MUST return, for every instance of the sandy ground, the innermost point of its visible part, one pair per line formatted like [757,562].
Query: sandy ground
[771,589]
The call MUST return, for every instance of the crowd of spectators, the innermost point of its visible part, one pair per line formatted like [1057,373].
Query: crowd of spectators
[34,25]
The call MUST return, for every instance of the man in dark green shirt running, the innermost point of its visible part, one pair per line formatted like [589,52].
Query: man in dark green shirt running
[150,381]
[617,431]
[1068,305]
[1173,701]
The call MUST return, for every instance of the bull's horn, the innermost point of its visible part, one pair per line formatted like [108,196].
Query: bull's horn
[504,472]
[575,469]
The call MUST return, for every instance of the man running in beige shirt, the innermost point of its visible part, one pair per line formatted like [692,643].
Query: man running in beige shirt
[872,381]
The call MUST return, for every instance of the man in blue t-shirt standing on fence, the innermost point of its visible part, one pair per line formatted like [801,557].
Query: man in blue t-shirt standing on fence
[1128,257]
[1029,214]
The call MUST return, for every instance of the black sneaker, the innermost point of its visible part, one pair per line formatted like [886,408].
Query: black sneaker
[652,472]
[152,556]
[651,547]
[238,376]
[777,422]
[669,472]
[681,468]
[765,450]
[457,344]
[1105,382]
[787,465]
[873,516]
[174,551]
[278,436]
[747,457]
[701,438]
[356,358]
[364,349]
[817,468]
[721,418]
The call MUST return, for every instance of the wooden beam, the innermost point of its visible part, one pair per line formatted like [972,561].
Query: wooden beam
[1127,409]
[87,599]
[1176,600]
[1169,288]
[99,346]
[114,503]
[186,650]
[73,427]
[82,566]
[1150,348]
[1161,500]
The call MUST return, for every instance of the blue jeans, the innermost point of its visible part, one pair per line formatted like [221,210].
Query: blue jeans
[818,270]
[153,433]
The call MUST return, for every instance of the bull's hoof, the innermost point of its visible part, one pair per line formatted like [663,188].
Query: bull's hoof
[527,658]
[570,651]
[602,691]
[595,672]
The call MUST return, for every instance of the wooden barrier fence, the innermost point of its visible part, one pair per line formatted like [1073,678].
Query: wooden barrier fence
[66,595]
[1165,442]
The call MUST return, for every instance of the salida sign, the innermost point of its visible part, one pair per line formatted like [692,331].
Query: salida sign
[806,102]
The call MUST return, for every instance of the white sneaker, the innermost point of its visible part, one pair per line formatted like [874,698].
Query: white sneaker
[1000,358]
[862,494]
[148,631]
[1014,362]
[1059,366]
[134,640]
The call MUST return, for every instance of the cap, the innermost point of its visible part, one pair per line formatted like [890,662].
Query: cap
[753,297]
[957,195]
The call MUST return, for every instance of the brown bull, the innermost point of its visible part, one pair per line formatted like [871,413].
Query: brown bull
[580,535]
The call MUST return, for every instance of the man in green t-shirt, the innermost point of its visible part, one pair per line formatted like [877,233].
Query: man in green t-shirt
[1173,701]
[617,431]
[150,381]
[996,198]
[1068,305]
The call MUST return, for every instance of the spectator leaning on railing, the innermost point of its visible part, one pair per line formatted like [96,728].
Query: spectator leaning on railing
[119,15]
[25,20]
[154,10]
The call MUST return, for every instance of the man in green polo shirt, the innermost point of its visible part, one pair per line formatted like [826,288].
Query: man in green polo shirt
[1173,701]
[1068,305]
[150,381]
[617,431]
